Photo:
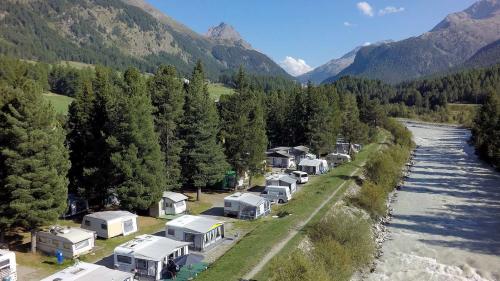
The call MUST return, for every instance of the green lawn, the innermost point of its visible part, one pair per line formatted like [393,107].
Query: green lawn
[266,232]
[216,90]
[59,102]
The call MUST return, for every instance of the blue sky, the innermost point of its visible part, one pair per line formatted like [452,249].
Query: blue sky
[314,31]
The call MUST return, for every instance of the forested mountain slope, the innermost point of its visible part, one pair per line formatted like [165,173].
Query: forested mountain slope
[117,34]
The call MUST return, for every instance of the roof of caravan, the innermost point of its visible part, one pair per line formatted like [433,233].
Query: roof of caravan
[310,162]
[82,271]
[282,177]
[6,253]
[111,215]
[174,196]
[247,198]
[194,223]
[279,153]
[72,234]
[150,247]
[302,148]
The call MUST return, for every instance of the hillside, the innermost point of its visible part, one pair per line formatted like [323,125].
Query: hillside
[117,34]
[449,44]
[486,56]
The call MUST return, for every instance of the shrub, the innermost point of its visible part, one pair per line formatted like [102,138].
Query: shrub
[372,199]
[297,267]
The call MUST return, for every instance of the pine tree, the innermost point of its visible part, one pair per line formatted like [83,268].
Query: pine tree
[34,162]
[202,158]
[138,164]
[89,126]
[244,128]
[167,95]
[486,130]
[352,129]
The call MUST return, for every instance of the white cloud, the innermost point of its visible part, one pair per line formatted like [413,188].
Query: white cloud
[294,66]
[365,8]
[349,24]
[390,10]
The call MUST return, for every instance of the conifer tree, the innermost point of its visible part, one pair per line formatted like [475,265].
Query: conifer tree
[486,130]
[202,158]
[244,128]
[138,164]
[352,129]
[167,95]
[33,160]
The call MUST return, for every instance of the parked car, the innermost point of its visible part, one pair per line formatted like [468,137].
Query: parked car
[277,194]
[302,177]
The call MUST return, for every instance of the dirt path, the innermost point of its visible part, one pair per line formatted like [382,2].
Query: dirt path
[446,219]
[294,231]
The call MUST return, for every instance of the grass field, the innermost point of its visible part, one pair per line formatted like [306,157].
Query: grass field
[216,90]
[59,102]
[269,231]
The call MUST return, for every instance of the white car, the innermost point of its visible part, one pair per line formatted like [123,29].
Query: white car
[301,177]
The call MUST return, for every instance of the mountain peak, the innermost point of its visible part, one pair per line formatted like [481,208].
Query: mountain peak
[480,10]
[226,34]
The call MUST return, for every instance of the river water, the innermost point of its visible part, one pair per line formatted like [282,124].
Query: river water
[446,223]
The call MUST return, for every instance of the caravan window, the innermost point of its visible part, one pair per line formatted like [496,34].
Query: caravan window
[55,242]
[227,204]
[124,259]
[171,231]
[67,246]
[104,226]
[128,226]
[87,222]
[82,244]
[141,264]
[4,264]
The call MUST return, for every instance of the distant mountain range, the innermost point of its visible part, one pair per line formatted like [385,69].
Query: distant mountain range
[333,67]
[120,33]
[449,45]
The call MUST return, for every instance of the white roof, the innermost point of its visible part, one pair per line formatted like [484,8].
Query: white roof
[310,162]
[111,215]
[246,198]
[282,177]
[6,253]
[197,224]
[150,247]
[71,234]
[83,271]
[174,196]
[341,154]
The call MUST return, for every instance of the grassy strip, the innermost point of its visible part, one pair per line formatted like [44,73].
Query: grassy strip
[267,232]
[59,102]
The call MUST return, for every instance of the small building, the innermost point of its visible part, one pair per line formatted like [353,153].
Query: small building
[8,268]
[82,271]
[282,180]
[76,205]
[171,203]
[335,159]
[313,166]
[109,224]
[346,148]
[246,206]
[71,241]
[147,255]
[202,232]
[280,159]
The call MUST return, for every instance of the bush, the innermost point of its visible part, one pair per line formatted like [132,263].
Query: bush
[372,199]
[297,267]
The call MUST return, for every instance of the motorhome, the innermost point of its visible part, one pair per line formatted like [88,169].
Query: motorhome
[277,194]
[301,177]
[8,269]
[246,206]
[71,241]
[147,255]
[109,224]
[82,271]
[202,232]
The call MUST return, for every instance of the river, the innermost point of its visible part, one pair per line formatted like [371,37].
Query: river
[446,218]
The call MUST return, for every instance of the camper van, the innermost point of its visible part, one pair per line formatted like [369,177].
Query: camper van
[147,255]
[82,271]
[71,241]
[277,194]
[8,266]
[302,177]
[109,224]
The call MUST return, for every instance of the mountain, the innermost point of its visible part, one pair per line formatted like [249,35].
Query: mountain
[486,56]
[333,67]
[120,33]
[449,44]
[227,35]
